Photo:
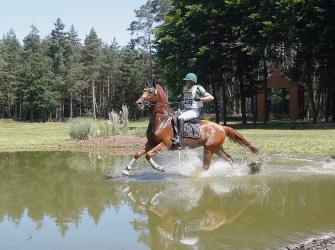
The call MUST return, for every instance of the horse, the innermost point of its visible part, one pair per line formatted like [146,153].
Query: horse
[161,131]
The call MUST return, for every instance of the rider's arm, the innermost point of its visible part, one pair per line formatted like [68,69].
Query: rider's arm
[204,95]
[179,98]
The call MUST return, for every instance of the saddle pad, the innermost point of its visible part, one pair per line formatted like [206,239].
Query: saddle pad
[191,130]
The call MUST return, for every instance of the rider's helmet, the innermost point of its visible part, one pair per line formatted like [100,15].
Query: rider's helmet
[191,77]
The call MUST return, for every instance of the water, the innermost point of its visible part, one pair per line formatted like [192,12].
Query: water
[60,200]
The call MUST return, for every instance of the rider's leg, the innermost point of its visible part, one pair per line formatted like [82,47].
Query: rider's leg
[186,115]
[189,114]
[180,127]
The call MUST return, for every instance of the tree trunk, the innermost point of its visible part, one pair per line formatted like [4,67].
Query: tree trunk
[266,91]
[31,110]
[240,78]
[223,100]
[216,105]
[94,101]
[254,109]
[71,105]
[109,96]
[150,57]
[243,100]
[310,91]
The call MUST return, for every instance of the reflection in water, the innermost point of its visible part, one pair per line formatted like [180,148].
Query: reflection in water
[275,208]
[179,213]
[49,184]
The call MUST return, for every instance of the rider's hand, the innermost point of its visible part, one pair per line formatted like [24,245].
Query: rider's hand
[197,99]
[178,99]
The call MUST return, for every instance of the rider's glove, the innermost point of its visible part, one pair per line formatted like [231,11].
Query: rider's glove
[197,99]
[178,99]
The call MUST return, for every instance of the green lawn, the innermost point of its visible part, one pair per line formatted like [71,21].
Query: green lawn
[308,140]
[315,141]
[33,136]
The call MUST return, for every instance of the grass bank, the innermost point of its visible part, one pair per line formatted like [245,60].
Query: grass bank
[315,141]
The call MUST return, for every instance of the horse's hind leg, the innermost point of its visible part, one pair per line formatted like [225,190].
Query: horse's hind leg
[207,158]
[224,155]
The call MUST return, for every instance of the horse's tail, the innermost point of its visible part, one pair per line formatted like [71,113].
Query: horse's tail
[235,136]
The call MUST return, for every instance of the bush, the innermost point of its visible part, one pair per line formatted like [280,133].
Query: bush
[80,128]
[125,114]
[115,122]
[104,129]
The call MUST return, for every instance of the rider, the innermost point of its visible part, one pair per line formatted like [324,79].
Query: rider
[194,96]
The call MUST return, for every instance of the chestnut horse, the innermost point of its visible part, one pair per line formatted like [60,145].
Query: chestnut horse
[160,132]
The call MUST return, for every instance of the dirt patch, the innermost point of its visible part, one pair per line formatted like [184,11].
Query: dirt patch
[119,143]
[325,242]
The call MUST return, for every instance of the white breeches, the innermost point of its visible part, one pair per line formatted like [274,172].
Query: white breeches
[189,114]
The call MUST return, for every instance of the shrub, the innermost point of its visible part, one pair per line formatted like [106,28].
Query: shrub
[104,129]
[125,114]
[80,128]
[115,122]
[101,128]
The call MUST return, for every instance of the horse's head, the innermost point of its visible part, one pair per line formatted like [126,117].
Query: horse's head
[148,98]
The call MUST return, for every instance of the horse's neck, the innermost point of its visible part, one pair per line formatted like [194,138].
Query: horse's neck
[160,108]
[162,105]
[159,113]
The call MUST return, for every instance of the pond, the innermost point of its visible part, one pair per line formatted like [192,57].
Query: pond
[61,200]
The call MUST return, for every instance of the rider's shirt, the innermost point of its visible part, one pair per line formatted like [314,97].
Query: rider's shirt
[190,94]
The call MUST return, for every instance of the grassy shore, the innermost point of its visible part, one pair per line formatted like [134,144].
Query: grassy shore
[315,141]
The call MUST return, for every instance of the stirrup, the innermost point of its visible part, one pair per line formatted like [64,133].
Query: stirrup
[176,140]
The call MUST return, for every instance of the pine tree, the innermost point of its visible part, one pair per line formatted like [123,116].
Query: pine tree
[11,57]
[91,64]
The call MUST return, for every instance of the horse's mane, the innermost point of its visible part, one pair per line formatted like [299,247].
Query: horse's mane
[161,94]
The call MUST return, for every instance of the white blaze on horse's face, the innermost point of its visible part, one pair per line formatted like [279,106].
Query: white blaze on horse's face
[148,98]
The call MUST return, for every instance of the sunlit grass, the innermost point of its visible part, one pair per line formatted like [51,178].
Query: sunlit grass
[29,136]
[308,140]
[307,143]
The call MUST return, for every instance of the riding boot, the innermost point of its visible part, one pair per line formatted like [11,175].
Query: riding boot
[181,128]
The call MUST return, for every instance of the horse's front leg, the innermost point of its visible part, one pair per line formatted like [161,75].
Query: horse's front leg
[154,151]
[141,152]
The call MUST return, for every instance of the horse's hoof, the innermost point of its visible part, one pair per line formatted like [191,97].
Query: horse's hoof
[160,169]
[255,166]
[125,173]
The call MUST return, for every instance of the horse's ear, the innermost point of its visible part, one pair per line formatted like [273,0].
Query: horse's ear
[147,85]
[153,83]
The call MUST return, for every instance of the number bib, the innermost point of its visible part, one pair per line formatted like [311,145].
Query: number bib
[189,95]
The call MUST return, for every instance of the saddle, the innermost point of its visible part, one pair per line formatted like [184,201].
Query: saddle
[191,128]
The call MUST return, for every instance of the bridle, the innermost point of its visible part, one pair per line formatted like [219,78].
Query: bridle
[149,104]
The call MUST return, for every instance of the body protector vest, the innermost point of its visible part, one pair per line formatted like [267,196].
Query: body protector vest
[189,95]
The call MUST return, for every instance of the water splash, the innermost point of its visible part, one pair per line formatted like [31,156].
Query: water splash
[189,164]
[322,168]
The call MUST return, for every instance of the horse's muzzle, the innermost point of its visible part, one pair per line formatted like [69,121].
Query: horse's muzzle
[140,103]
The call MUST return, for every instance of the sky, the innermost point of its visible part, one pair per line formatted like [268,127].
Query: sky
[110,18]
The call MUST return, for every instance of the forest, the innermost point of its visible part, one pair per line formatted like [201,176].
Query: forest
[232,45]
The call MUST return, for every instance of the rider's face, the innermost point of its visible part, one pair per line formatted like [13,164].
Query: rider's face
[188,83]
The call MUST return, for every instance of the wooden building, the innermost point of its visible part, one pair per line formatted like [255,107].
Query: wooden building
[296,96]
